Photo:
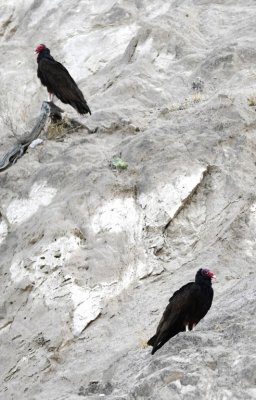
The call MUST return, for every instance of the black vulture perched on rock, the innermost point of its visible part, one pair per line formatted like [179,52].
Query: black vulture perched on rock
[186,308]
[58,81]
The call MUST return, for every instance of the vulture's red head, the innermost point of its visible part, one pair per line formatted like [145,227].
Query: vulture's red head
[204,276]
[39,48]
[207,273]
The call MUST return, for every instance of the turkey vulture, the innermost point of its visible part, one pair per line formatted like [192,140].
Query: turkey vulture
[186,307]
[58,81]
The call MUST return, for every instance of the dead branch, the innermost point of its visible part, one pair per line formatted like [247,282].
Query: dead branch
[48,109]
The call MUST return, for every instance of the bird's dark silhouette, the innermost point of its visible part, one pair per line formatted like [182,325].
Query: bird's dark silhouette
[186,308]
[58,81]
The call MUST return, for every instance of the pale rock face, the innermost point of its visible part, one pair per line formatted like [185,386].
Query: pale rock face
[20,210]
[90,255]
[119,215]
[3,230]
[165,201]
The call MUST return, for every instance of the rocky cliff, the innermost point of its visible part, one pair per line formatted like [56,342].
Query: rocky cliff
[90,254]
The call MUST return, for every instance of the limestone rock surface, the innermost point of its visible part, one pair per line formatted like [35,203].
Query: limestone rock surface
[90,254]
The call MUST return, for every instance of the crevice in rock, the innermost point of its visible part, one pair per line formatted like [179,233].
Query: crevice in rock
[6,24]
[185,203]
[90,323]
[7,323]
[130,50]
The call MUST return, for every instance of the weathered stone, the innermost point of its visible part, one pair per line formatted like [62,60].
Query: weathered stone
[90,255]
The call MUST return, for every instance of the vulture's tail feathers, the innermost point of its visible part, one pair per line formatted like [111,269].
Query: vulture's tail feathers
[81,107]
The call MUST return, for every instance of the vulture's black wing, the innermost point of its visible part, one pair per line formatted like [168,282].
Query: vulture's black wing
[183,288]
[176,315]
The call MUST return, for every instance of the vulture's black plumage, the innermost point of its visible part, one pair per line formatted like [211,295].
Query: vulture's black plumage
[186,307]
[58,81]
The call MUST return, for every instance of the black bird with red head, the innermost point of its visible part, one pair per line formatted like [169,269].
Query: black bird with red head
[186,308]
[58,81]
